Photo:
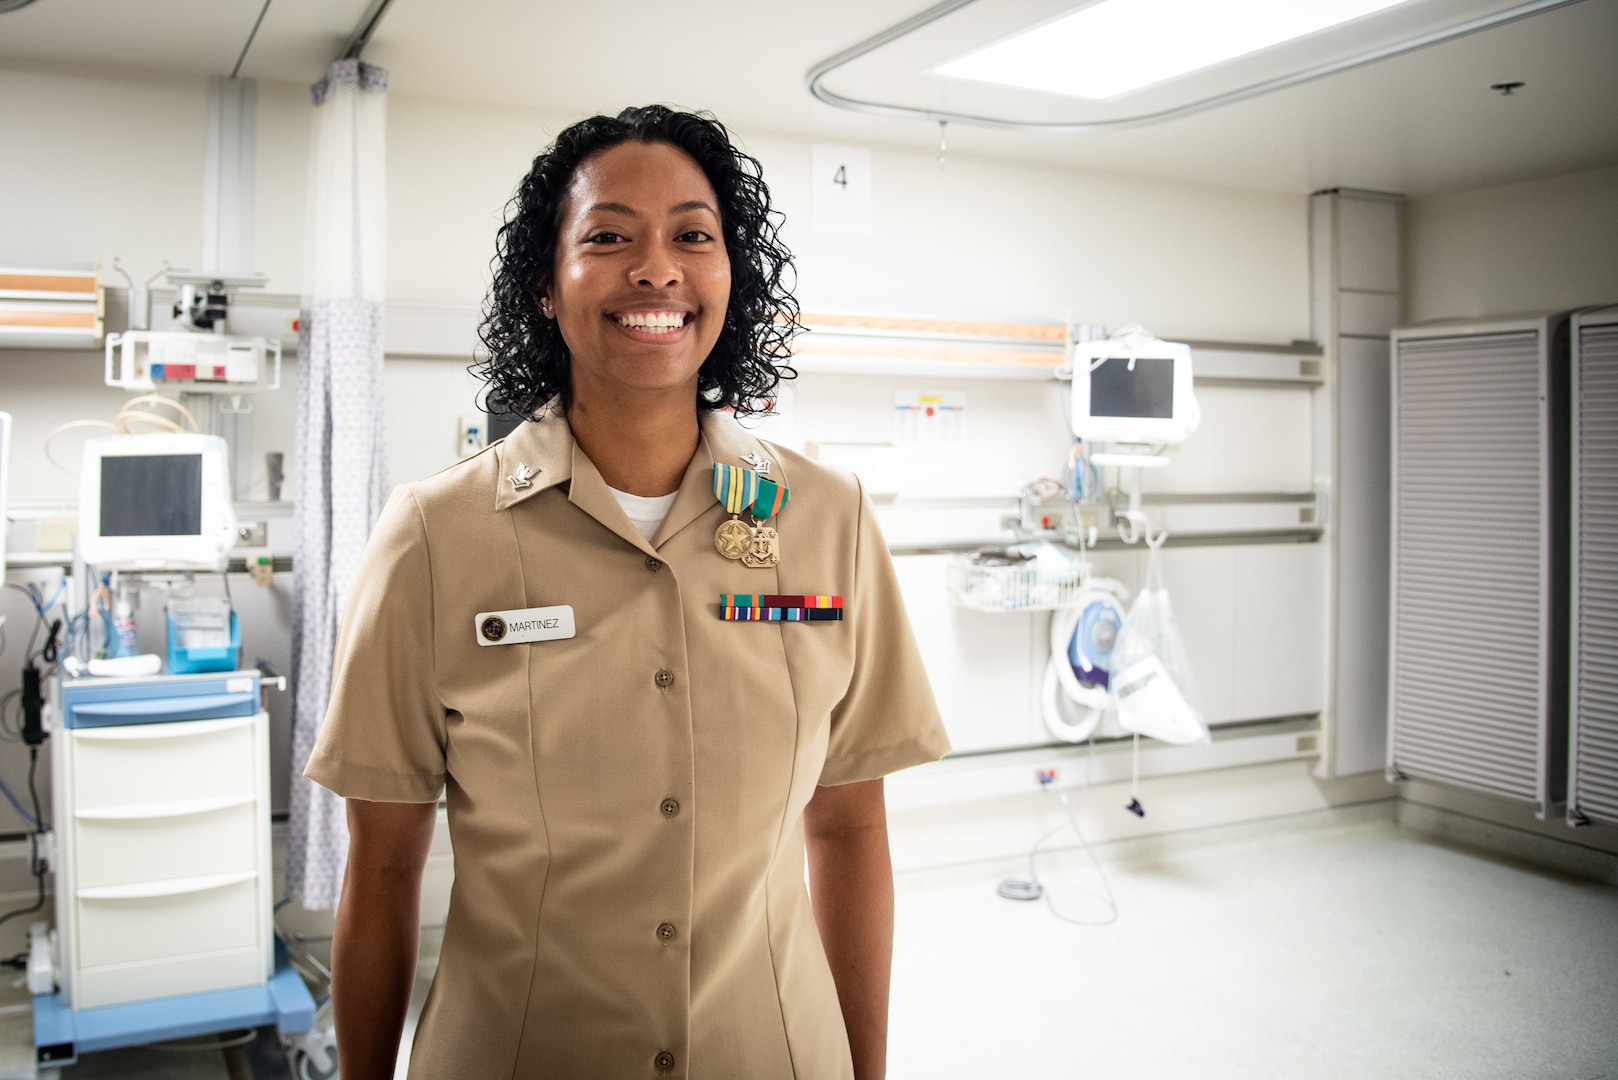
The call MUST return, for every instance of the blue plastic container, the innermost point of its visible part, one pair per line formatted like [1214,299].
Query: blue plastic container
[183,661]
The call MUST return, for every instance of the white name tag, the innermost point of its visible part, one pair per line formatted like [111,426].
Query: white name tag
[523,624]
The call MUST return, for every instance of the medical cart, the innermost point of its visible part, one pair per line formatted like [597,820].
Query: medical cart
[162,860]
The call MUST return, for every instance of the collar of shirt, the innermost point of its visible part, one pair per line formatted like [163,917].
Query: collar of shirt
[546,446]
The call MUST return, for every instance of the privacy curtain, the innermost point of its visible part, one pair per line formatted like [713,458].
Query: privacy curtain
[341,470]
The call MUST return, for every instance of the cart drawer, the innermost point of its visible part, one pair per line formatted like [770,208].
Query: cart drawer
[150,763]
[128,924]
[198,838]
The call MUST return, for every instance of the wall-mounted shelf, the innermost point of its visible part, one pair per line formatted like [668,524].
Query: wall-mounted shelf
[932,348]
[50,309]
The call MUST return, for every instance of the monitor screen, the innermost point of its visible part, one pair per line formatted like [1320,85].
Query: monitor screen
[1147,391]
[151,495]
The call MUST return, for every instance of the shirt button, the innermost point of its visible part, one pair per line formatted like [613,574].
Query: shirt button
[665,932]
[664,1062]
[654,565]
[664,678]
[670,807]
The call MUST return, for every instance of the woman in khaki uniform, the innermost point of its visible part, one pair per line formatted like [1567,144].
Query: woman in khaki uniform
[638,749]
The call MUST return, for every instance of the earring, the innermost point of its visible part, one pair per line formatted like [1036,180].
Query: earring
[545,307]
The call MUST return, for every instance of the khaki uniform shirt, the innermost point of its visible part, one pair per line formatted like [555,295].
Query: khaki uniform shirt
[625,806]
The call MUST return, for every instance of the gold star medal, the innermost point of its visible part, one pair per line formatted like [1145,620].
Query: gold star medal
[736,489]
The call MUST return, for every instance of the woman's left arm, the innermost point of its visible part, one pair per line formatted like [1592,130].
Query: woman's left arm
[851,888]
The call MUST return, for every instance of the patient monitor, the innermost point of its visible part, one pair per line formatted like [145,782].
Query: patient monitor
[1133,388]
[151,502]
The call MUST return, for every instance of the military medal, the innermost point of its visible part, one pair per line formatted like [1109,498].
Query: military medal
[736,489]
[765,549]
[733,538]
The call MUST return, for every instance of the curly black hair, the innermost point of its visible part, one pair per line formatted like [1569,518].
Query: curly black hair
[528,362]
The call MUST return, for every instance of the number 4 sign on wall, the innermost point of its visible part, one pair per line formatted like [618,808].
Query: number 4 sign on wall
[840,187]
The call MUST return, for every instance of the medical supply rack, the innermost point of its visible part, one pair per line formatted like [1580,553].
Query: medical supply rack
[163,873]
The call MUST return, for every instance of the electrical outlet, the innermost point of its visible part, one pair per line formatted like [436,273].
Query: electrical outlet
[252,534]
[469,436]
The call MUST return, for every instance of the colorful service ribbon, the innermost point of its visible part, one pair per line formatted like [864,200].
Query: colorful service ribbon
[771,500]
[762,607]
[735,486]
[739,488]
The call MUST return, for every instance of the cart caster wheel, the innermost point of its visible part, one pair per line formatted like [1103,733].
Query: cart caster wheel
[306,1067]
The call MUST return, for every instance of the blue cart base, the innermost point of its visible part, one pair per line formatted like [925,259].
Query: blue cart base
[61,1034]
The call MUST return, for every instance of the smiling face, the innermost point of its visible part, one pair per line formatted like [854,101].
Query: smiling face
[642,278]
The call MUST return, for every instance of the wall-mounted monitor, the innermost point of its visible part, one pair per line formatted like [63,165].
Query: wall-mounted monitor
[155,502]
[1133,389]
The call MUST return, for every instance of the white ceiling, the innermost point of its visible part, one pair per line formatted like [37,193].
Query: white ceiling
[1420,124]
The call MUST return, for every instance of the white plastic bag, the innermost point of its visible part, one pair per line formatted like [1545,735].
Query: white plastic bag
[1151,672]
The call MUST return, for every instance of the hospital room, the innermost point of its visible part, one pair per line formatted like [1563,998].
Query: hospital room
[733,541]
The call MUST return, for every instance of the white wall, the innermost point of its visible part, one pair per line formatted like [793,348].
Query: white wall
[111,164]
[114,167]
[985,239]
[1543,245]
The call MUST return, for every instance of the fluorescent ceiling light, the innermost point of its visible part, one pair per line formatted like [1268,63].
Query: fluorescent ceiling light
[1116,46]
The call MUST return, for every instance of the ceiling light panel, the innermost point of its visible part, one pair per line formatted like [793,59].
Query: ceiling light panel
[1113,47]
[1042,65]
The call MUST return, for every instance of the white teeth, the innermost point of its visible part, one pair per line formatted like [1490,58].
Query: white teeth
[653,322]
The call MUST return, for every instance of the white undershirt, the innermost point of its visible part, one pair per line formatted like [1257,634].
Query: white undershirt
[644,513]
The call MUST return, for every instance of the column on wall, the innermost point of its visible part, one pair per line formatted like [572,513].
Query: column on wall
[1356,293]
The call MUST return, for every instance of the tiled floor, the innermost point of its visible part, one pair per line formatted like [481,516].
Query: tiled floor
[1334,945]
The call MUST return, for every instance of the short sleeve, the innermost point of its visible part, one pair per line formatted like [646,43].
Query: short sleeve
[888,720]
[383,736]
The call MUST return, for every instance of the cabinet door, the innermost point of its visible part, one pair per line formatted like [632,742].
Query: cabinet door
[1280,630]
[981,665]
[1253,619]
[1201,582]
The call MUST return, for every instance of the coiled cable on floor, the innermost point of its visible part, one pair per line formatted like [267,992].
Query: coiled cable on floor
[1033,888]
[1050,901]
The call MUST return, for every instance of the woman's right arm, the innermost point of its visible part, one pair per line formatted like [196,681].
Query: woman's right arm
[374,942]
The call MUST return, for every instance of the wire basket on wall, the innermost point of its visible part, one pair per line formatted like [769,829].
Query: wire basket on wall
[991,584]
